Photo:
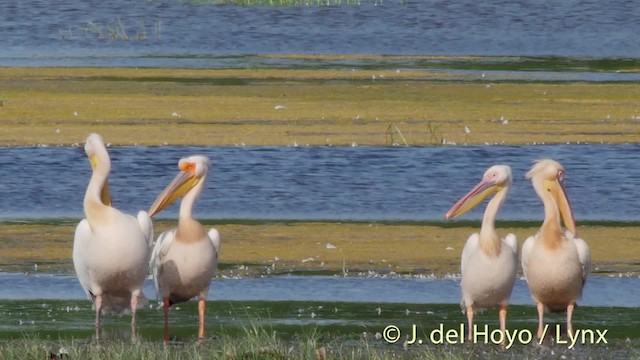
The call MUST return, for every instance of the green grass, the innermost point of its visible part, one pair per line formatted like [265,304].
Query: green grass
[296,330]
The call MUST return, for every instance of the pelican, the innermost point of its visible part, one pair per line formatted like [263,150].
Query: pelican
[555,262]
[184,259]
[488,264]
[110,248]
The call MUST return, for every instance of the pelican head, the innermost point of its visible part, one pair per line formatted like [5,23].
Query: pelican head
[495,179]
[96,150]
[193,170]
[547,177]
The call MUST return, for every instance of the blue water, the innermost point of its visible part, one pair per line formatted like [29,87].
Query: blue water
[180,33]
[332,183]
[599,291]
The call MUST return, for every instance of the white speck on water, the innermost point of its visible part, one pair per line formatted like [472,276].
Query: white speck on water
[313,315]
[379,310]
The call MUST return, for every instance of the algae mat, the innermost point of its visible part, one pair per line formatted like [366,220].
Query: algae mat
[331,247]
[60,106]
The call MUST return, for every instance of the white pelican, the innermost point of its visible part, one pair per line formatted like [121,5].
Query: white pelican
[488,263]
[555,263]
[110,248]
[185,258]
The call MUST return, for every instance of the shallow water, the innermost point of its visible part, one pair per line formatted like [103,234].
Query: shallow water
[336,183]
[183,34]
[599,290]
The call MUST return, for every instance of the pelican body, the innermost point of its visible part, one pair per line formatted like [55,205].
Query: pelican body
[555,262]
[184,259]
[488,264]
[110,248]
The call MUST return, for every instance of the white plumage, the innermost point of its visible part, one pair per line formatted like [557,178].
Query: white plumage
[488,264]
[555,261]
[110,248]
[185,259]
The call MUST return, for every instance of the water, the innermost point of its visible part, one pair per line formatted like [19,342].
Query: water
[599,290]
[322,183]
[182,34]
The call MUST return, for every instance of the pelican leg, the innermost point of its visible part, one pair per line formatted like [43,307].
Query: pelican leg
[569,314]
[540,307]
[98,305]
[201,307]
[134,307]
[165,303]
[470,322]
[502,317]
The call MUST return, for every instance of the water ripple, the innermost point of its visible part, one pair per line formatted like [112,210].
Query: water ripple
[326,183]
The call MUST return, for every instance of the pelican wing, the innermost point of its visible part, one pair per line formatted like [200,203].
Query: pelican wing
[144,220]
[214,236]
[585,257]
[469,248]
[526,252]
[512,242]
[80,242]
[160,250]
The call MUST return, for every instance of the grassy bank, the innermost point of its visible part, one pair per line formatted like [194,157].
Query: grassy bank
[60,106]
[286,330]
[281,247]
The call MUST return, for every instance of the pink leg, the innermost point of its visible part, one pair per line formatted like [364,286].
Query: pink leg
[201,306]
[569,314]
[98,305]
[502,316]
[134,307]
[165,303]
[540,307]
[470,322]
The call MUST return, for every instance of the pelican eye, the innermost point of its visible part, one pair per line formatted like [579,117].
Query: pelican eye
[188,167]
